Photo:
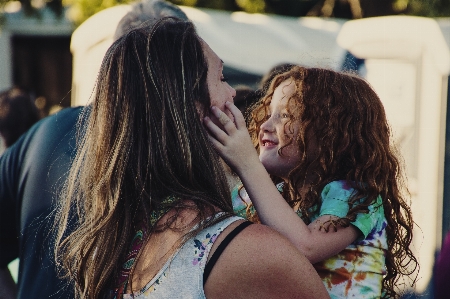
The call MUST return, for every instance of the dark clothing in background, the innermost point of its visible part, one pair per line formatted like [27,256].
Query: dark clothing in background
[442,271]
[32,171]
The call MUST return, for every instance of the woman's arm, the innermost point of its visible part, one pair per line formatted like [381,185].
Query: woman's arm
[235,147]
[260,263]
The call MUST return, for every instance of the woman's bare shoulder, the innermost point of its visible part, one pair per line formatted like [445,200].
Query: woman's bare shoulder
[261,263]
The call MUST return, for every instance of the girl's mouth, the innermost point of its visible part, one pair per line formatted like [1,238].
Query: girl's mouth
[266,143]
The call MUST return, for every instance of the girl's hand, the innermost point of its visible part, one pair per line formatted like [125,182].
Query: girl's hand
[233,143]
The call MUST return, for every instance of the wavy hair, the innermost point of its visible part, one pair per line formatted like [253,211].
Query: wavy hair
[344,119]
[143,141]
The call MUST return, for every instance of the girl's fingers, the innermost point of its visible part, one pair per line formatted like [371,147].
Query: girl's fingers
[237,114]
[215,143]
[217,133]
[224,120]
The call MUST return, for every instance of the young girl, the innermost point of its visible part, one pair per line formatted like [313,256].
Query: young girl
[324,138]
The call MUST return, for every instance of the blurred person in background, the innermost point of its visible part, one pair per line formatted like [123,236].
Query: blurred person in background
[17,114]
[31,174]
[247,97]
[442,271]
[271,74]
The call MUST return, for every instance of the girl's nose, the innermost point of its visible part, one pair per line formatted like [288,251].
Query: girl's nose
[267,126]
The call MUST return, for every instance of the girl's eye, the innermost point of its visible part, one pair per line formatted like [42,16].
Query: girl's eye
[285,115]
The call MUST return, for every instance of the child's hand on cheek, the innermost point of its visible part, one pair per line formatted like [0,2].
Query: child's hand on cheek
[233,143]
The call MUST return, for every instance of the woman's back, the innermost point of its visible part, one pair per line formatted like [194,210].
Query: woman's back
[254,264]
[166,271]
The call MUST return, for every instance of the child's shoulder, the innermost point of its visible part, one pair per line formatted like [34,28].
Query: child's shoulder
[341,190]
[335,199]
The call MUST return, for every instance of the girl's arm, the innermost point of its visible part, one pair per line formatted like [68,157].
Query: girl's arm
[235,147]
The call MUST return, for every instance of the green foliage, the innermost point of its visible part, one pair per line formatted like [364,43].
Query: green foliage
[429,8]
[184,2]
[252,6]
[80,10]
[215,4]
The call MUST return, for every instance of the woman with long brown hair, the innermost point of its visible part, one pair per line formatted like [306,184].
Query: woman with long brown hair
[324,138]
[147,193]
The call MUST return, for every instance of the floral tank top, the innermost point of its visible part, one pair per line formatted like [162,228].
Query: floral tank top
[182,275]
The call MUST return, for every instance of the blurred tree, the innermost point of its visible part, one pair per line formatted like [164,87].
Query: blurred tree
[427,8]
[347,9]
[216,4]
[291,7]
[80,10]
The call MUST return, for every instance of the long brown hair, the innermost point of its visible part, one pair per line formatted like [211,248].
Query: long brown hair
[143,141]
[346,120]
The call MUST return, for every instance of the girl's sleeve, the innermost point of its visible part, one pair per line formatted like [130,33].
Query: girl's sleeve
[335,198]
[240,200]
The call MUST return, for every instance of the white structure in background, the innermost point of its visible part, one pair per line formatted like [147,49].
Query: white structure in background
[444,24]
[253,43]
[5,59]
[408,63]
[89,43]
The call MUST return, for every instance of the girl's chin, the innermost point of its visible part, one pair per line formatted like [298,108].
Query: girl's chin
[275,168]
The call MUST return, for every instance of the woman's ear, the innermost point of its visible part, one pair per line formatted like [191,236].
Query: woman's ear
[202,111]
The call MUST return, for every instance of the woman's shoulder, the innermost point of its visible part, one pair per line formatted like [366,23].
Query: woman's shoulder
[261,263]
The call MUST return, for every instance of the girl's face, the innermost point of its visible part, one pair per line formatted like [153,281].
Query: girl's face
[219,90]
[278,131]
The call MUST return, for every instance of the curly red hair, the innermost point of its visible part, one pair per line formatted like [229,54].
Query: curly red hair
[346,121]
